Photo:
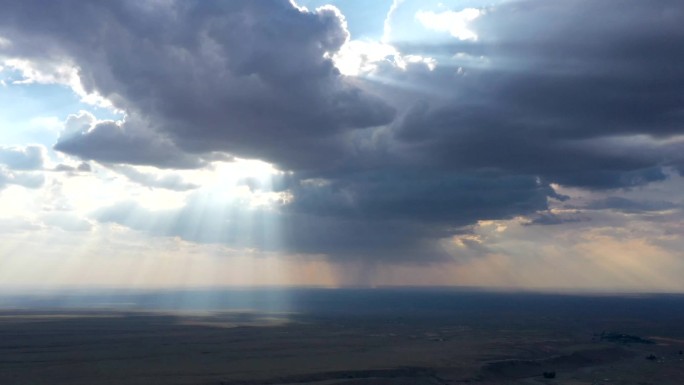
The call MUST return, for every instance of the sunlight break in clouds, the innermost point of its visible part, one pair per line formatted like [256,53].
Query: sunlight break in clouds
[360,58]
[456,23]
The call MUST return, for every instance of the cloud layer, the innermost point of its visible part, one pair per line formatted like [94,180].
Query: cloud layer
[525,96]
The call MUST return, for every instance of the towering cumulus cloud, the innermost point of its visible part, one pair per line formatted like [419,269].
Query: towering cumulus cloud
[250,78]
[516,99]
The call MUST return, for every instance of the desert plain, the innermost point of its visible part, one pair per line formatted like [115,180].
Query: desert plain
[349,337]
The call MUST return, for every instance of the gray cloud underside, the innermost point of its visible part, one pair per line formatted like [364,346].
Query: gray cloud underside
[394,222]
[559,80]
[631,206]
[169,182]
[131,141]
[578,92]
[22,158]
[233,223]
[20,166]
[81,168]
[17,178]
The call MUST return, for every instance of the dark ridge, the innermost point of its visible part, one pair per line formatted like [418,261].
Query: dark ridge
[569,362]
[624,338]
[407,372]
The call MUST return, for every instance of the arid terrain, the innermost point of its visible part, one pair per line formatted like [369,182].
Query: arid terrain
[355,337]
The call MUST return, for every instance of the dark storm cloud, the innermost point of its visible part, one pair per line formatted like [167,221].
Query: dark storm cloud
[578,92]
[398,217]
[462,137]
[630,206]
[246,77]
[234,223]
[121,142]
[550,218]
[547,82]
[452,199]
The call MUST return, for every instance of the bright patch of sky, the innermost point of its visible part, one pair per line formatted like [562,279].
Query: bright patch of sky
[34,113]
[406,26]
[456,23]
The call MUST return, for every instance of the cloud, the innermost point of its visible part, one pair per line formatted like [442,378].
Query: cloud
[204,76]
[17,225]
[25,179]
[468,137]
[531,95]
[456,199]
[66,222]
[23,158]
[203,220]
[82,167]
[120,142]
[456,23]
[630,205]
[596,106]
[372,218]
[551,218]
[169,182]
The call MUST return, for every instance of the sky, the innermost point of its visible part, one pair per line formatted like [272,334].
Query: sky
[522,144]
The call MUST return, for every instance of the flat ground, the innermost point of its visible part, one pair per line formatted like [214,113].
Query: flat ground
[511,341]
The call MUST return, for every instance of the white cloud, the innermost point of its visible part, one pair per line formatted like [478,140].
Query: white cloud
[387,26]
[66,221]
[45,72]
[53,72]
[455,23]
[358,57]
